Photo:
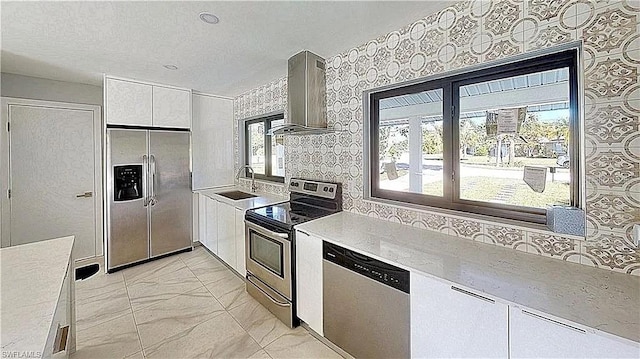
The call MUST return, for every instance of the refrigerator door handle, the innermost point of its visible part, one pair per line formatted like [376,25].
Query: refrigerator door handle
[152,170]
[145,185]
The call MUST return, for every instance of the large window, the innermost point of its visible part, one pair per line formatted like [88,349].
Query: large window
[264,153]
[500,141]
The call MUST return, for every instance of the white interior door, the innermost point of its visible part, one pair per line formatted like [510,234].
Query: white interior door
[52,172]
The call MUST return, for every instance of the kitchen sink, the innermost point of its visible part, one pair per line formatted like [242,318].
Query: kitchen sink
[236,195]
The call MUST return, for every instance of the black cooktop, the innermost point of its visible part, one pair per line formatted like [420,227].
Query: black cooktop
[308,200]
[291,214]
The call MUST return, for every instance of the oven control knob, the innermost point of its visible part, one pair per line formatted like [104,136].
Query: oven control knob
[326,188]
[331,189]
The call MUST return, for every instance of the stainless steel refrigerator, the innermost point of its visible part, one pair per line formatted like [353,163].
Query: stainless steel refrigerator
[148,195]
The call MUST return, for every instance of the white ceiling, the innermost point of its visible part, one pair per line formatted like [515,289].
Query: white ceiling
[79,41]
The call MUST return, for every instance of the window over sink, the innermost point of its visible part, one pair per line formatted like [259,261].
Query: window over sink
[264,153]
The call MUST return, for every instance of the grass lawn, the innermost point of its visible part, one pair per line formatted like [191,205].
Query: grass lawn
[513,192]
[525,161]
[493,189]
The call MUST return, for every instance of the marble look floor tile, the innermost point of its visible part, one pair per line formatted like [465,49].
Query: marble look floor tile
[196,256]
[209,270]
[98,285]
[152,290]
[154,269]
[175,315]
[227,288]
[238,297]
[137,355]
[101,308]
[260,355]
[117,338]
[220,337]
[299,344]
[263,326]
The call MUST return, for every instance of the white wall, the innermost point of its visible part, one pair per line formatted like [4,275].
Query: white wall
[12,85]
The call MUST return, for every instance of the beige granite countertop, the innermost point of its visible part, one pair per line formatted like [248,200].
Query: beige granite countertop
[262,199]
[596,298]
[31,279]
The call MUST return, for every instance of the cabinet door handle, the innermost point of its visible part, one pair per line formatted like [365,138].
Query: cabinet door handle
[472,294]
[538,316]
[85,195]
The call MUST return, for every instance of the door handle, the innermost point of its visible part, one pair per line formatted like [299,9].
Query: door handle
[472,294]
[152,169]
[145,184]
[85,195]
[553,321]
[266,231]
[274,300]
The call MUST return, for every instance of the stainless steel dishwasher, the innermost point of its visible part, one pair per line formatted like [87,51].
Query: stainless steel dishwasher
[366,304]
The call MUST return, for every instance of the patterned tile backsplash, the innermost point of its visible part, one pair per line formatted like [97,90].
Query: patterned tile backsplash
[475,32]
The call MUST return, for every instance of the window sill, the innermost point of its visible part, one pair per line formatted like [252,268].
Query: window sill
[264,181]
[540,228]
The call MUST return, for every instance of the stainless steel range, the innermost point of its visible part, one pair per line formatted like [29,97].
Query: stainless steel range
[270,243]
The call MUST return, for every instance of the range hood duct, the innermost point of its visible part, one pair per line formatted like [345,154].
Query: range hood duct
[306,96]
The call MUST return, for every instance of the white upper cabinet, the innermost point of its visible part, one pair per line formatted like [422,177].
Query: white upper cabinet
[450,322]
[537,336]
[134,103]
[171,107]
[212,141]
[128,103]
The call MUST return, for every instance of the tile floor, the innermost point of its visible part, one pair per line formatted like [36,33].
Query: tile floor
[184,306]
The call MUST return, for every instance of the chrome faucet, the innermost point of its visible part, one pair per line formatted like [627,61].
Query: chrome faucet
[253,176]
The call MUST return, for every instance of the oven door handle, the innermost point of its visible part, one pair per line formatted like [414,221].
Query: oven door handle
[258,286]
[266,231]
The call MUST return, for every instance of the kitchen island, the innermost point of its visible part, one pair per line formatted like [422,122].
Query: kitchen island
[37,309]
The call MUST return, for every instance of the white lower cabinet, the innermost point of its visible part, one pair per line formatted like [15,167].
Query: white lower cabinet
[220,228]
[227,233]
[240,243]
[309,280]
[536,336]
[449,322]
[210,225]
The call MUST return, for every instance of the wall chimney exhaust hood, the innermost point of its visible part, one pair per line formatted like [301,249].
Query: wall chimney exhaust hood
[306,96]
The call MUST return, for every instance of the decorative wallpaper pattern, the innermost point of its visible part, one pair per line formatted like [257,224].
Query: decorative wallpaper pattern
[475,32]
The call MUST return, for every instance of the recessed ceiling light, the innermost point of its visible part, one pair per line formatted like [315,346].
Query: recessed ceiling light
[171,67]
[209,18]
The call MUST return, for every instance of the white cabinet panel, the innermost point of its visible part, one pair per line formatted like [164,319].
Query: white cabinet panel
[535,336]
[171,107]
[212,141]
[240,243]
[448,323]
[309,280]
[195,234]
[227,233]
[128,103]
[210,225]
[62,318]
[202,219]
